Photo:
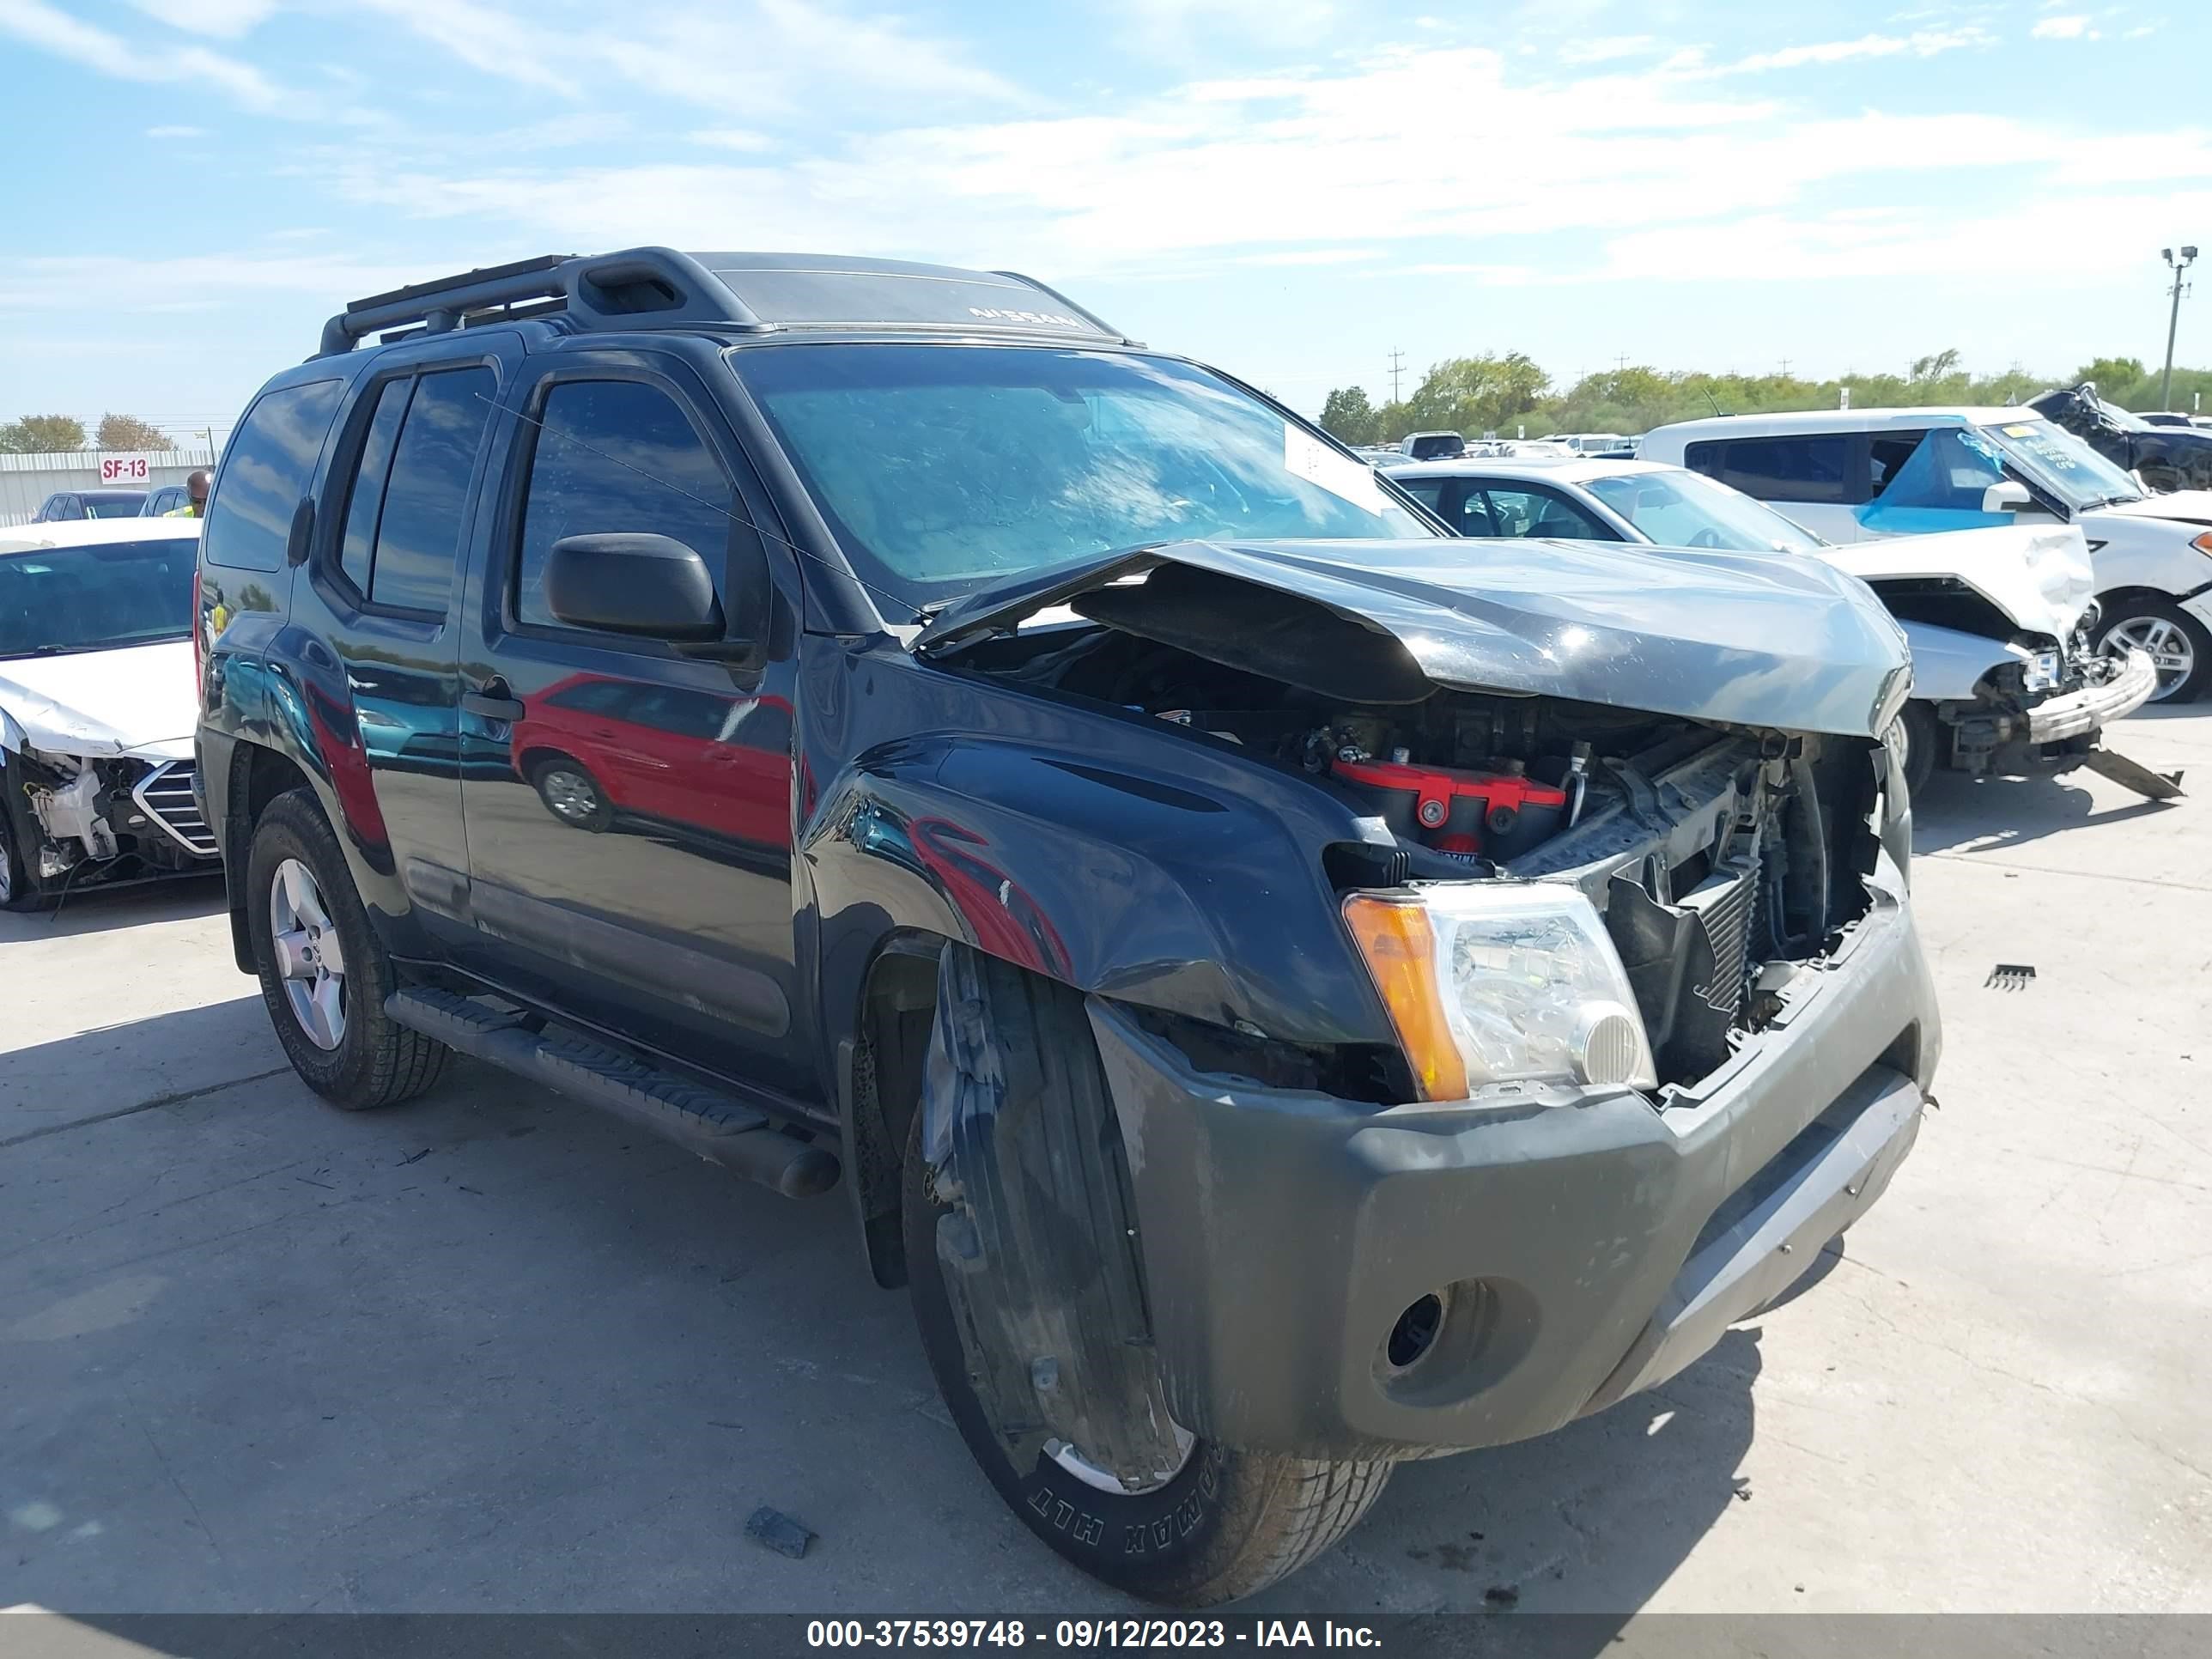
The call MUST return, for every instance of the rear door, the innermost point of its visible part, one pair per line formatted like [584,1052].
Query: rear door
[402,500]
[630,855]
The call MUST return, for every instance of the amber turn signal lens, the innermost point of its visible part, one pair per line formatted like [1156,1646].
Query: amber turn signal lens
[1399,947]
[2202,544]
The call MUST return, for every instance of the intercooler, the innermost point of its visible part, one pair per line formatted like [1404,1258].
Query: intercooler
[1688,961]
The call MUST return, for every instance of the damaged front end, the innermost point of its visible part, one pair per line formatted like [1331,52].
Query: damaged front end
[80,821]
[1622,858]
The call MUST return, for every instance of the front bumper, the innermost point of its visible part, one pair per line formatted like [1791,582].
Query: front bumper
[2091,709]
[1584,1248]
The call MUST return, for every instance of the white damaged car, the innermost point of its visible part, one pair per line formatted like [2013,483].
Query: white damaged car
[96,708]
[2001,621]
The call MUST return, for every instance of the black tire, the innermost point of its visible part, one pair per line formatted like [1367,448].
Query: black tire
[377,1061]
[1923,741]
[598,816]
[1229,1523]
[18,890]
[2141,612]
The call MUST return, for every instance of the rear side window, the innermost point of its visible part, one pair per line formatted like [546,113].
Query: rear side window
[426,497]
[1428,492]
[365,498]
[617,456]
[268,466]
[1886,453]
[1800,469]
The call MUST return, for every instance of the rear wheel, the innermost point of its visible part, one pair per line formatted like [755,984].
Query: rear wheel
[2177,643]
[571,794]
[324,973]
[1189,1522]
[19,889]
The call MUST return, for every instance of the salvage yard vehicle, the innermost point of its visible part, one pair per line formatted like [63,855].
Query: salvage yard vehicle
[2004,678]
[2166,453]
[96,709]
[1854,475]
[1284,997]
[75,506]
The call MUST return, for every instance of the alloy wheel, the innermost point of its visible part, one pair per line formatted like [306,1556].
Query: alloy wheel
[2165,644]
[309,959]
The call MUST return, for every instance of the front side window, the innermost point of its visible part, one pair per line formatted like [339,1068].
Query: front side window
[2060,463]
[1676,509]
[420,531]
[1800,469]
[60,601]
[941,468]
[1515,511]
[611,457]
[269,465]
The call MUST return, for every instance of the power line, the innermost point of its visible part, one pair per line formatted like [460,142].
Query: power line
[1397,368]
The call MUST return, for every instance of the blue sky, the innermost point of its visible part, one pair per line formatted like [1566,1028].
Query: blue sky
[1289,188]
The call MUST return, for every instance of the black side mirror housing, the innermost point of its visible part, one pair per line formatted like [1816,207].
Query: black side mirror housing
[654,586]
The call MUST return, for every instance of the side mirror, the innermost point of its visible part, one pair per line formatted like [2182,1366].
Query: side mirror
[2009,497]
[652,585]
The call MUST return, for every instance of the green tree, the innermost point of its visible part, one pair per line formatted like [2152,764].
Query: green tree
[1346,414]
[41,434]
[1474,395]
[2112,374]
[129,432]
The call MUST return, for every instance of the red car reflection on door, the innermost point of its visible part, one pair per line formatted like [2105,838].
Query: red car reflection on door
[597,750]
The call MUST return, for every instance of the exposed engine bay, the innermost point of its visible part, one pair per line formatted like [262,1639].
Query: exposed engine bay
[1718,856]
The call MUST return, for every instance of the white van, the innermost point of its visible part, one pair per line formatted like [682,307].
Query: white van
[1854,475]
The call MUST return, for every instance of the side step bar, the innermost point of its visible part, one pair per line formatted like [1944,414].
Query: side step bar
[719,1129]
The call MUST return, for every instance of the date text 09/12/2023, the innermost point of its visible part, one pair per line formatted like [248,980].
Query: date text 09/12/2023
[1086,1634]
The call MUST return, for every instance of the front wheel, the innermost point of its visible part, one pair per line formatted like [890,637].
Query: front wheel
[1920,738]
[1190,1522]
[2176,643]
[573,795]
[323,973]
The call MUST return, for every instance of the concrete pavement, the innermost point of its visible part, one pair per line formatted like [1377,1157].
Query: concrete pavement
[490,1351]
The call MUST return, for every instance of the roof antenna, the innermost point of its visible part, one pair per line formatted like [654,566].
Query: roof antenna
[1714,401]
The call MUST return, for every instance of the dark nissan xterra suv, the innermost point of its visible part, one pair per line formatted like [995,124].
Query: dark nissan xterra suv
[1287,990]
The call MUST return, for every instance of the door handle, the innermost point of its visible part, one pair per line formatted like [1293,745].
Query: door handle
[493,701]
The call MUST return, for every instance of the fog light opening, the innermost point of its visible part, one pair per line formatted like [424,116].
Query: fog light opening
[1415,1332]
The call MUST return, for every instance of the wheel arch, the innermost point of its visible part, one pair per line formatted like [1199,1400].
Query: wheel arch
[879,1083]
[259,774]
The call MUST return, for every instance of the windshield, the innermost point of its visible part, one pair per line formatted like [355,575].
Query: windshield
[2055,461]
[59,600]
[1677,508]
[113,507]
[942,468]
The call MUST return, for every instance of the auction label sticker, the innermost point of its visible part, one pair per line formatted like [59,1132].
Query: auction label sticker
[1306,457]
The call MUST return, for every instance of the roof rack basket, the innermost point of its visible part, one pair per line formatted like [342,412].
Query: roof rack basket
[654,286]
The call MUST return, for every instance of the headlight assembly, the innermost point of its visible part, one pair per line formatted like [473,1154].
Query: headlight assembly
[1491,983]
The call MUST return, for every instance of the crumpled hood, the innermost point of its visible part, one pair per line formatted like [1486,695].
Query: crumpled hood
[2038,575]
[100,703]
[2184,505]
[1758,639]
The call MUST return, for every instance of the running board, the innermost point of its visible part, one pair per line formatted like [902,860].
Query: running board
[2133,774]
[722,1130]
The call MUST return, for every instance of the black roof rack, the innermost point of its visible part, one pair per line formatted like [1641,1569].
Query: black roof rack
[753,293]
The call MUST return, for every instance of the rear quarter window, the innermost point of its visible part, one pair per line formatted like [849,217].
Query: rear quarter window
[1808,469]
[269,465]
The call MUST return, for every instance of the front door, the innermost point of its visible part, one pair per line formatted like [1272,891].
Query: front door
[629,853]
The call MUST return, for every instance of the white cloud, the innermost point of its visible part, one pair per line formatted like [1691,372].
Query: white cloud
[1606,49]
[100,285]
[2073,27]
[56,31]
[1179,28]
[1923,43]
[176,132]
[227,18]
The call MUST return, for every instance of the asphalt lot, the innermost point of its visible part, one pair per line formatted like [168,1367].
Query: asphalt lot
[489,1350]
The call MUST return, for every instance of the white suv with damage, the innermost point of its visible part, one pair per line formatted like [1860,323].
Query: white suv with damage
[97,708]
[1859,475]
[2004,678]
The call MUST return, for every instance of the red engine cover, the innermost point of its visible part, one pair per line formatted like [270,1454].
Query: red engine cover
[1454,811]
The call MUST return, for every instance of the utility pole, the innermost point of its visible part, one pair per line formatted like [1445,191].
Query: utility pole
[2173,321]
[1397,368]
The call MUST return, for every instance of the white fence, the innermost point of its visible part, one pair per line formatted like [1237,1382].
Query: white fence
[26,481]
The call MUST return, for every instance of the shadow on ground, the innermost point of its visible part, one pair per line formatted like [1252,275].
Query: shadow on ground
[1958,814]
[490,1351]
[98,910]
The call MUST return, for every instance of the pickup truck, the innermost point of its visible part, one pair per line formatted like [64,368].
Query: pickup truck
[1283,996]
